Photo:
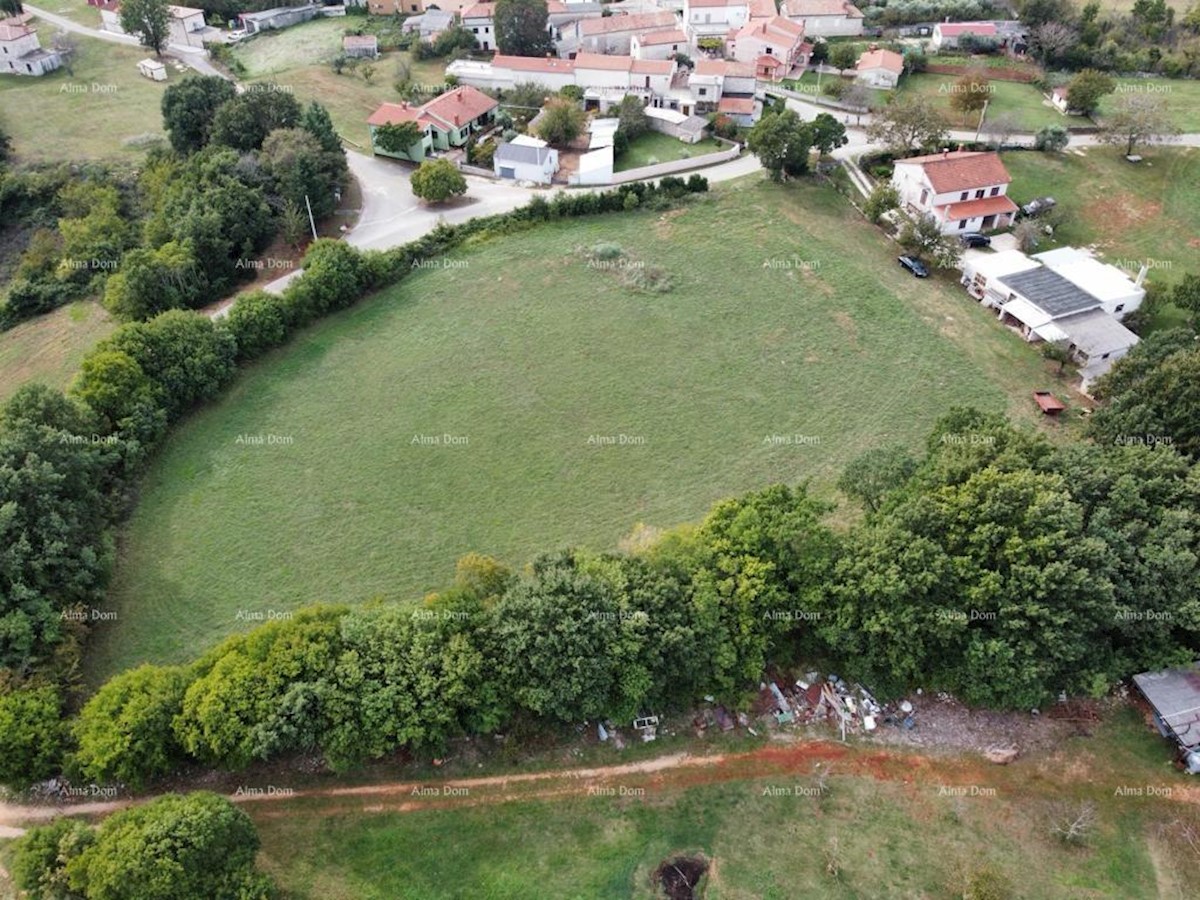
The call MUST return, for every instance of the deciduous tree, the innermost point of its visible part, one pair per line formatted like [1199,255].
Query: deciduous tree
[521,27]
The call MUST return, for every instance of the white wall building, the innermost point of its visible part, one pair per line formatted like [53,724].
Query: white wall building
[714,18]
[658,44]
[879,69]
[963,190]
[946,35]
[526,158]
[824,18]
[21,51]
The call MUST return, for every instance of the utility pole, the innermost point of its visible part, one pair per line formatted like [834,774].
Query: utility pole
[311,223]
[982,113]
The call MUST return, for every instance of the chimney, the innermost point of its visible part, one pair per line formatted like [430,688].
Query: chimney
[1142,275]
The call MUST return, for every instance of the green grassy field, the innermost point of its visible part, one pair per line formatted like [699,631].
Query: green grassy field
[1133,214]
[521,352]
[767,835]
[1024,103]
[49,348]
[103,109]
[656,147]
[1182,98]
[809,84]
[299,58]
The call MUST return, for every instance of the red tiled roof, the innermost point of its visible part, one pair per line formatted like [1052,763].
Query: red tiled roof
[673,36]
[776,26]
[478,11]
[736,105]
[972,209]
[728,68]
[395,113]
[459,106]
[533,63]
[762,9]
[881,59]
[623,64]
[652,67]
[655,21]
[808,8]
[961,170]
[14,32]
[700,4]
[956,28]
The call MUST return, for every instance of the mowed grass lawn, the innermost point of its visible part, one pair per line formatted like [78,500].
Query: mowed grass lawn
[49,348]
[1133,214]
[103,109]
[1180,96]
[299,58]
[1024,103]
[656,147]
[789,318]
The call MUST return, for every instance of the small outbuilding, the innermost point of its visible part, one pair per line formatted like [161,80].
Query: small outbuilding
[528,160]
[153,69]
[361,45]
[1174,695]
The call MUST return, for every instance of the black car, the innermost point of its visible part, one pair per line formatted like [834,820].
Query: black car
[1038,206]
[975,239]
[914,265]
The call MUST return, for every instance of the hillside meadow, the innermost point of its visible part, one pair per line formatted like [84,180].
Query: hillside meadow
[537,391]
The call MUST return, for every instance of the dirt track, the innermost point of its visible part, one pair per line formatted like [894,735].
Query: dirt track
[677,771]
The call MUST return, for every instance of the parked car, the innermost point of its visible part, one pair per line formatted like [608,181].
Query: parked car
[235,35]
[1038,206]
[914,265]
[975,239]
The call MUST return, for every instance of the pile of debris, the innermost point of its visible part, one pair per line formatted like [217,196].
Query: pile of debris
[812,699]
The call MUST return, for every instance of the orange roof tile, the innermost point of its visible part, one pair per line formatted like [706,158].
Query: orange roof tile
[533,63]
[654,21]
[961,170]
[654,38]
[459,106]
[881,59]
[971,209]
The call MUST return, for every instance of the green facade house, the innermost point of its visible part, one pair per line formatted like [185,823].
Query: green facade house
[447,121]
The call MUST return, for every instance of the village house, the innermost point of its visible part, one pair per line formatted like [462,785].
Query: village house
[762,9]
[713,20]
[962,190]
[879,68]
[714,79]
[611,34]
[824,18]
[607,79]
[1058,99]
[21,51]
[745,111]
[429,24]
[658,44]
[526,158]
[1063,296]
[185,27]
[361,45]
[946,35]
[446,121]
[479,19]
[775,47]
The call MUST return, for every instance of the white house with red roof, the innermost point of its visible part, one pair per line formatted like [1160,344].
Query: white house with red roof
[714,19]
[503,72]
[963,190]
[658,44]
[774,46]
[824,18]
[879,68]
[715,79]
[946,35]
[446,121]
[21,51]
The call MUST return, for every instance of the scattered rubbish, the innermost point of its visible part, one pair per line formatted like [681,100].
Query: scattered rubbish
[724,719]
[647,726]
[602,731]
[1001,756]
[869,723]
[906,707]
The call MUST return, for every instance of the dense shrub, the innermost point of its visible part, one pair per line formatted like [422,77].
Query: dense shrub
[257,322]
[31,733]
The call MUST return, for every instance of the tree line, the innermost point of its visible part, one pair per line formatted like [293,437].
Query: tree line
[69,461]
[189,226]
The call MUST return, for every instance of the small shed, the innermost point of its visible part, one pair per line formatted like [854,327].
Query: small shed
[1174,694]
[595,167]
[361,45]
[523,162]
[153,69]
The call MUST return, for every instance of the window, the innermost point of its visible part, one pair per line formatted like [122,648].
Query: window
[962,223]
[964,195]
[474,31]
[703,92]
[995,191]
[924,197]
[979,195]
[1119,307]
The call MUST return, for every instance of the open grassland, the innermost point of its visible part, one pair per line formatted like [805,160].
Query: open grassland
[102,110]
[76,10]
[1145,213]
[299,58]
[521,397]
[49,348]
[881,825]
[656,147]
[1022,103]
[1181,97]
